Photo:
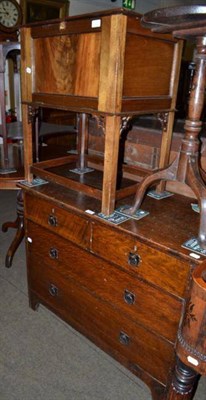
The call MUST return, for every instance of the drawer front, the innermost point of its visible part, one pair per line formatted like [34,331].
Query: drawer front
[128,342]
[69,225]
[141,302]
[126,251]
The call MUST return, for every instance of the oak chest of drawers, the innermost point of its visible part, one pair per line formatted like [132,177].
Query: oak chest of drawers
[123,286]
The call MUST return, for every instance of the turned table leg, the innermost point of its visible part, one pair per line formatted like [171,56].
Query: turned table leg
[184,383]
[18,224]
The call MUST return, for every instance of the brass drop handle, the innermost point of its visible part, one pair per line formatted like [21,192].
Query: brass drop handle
[124,338]
[133,259]
[53,290]
[53,253]
[129,297]
[52,220]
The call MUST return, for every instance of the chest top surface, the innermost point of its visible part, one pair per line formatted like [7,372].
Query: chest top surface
[170,222]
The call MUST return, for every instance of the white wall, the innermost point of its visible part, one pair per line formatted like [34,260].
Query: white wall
[84,6]
[142,6]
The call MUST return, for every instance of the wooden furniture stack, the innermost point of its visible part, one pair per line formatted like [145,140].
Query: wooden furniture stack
[123,285]
[105,65]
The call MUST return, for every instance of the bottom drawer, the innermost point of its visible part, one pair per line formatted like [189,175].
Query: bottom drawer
[113,332]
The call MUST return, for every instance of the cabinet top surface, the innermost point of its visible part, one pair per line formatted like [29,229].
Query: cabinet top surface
[170,222]
[96,14]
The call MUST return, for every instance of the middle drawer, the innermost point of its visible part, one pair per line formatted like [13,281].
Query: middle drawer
[158,311]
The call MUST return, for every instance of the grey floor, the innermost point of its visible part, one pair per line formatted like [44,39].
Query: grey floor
[42,358]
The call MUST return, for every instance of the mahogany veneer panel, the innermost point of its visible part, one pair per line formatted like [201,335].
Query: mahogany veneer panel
[72,63]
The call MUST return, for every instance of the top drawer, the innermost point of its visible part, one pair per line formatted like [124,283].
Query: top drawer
[66,224]
[126,251]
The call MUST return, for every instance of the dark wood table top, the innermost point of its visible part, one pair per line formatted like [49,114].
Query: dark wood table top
[9,180]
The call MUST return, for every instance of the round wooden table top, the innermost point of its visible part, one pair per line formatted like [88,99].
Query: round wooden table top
[9,180]
[177,18]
